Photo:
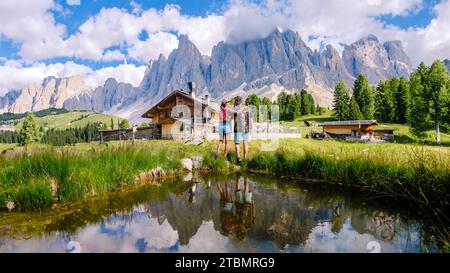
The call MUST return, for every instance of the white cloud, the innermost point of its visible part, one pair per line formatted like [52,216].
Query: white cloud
[428,43]
[30,24]
[16,76]
[73,2]
[113,55]
[128,73]
[157,43]
[33,28]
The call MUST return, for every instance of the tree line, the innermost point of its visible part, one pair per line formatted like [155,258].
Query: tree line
[32,133]
[423,101]
[11,117]
[291,106]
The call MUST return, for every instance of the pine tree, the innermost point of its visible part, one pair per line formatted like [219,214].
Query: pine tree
[312,104]
[305,103]
[384,102]
[320,110]
[281,102]
[293,106]
[401,101]
[341,101]
[30,131]
[430,98]
[354,112]
[363,94]
[438,93]
[124,124]
[268,104]
[254,100]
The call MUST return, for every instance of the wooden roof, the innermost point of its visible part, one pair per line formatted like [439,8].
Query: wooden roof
[181,93]
[349,123]
[127,129]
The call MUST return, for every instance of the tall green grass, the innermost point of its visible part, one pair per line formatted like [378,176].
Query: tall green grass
[418,176]
[410,172]
[43,175]
[27,180]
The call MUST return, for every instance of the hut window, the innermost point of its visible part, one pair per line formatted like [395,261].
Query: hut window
[180,115]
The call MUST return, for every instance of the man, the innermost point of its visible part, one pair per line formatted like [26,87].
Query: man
[242,127]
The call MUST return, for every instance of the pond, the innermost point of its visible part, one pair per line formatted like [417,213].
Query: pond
[236,213]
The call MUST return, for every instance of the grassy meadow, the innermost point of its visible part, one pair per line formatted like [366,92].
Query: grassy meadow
[419,174]
[71,120]
[37,177]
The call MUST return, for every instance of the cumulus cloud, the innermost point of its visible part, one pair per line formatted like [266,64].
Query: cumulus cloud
[113,55]
[150,49]
[427,43]
[128,73]
[32,27]
[16,76]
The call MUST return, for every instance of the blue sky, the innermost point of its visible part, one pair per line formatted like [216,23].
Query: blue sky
[102,38]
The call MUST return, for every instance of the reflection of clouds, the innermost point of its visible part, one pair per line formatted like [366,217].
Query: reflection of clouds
[114,235]
[136,231]
[142,234]
[207,239]
[322,239]
[146,235]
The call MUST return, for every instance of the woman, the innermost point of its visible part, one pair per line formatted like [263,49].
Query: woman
[226,208]
[224,126]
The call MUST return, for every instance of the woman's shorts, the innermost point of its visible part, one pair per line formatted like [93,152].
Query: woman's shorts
[239,136]
[243,197]
[224,129]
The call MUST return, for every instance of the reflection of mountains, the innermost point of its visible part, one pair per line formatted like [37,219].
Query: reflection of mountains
[283,217]
[379,224]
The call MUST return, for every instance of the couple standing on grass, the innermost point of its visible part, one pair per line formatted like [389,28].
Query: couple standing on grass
[242,126]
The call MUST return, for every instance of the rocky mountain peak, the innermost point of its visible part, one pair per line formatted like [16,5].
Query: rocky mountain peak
[375,60]
[370,38]
[52,92]
[48,79]
[184,44]
[110,82]
[282,60]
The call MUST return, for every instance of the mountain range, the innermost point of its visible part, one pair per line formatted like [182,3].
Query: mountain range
[281,61]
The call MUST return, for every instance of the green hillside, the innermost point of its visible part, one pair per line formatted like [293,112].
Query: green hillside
[71,120]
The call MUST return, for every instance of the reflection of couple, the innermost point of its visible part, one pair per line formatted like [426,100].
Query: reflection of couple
[238,215]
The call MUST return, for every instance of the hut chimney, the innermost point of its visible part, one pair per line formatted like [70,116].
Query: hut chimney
[207,101]
[191,86]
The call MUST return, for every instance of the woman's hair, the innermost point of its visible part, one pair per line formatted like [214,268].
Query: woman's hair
[223,104]
[237,100]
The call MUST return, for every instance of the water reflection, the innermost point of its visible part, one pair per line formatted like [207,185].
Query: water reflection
[234,214]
